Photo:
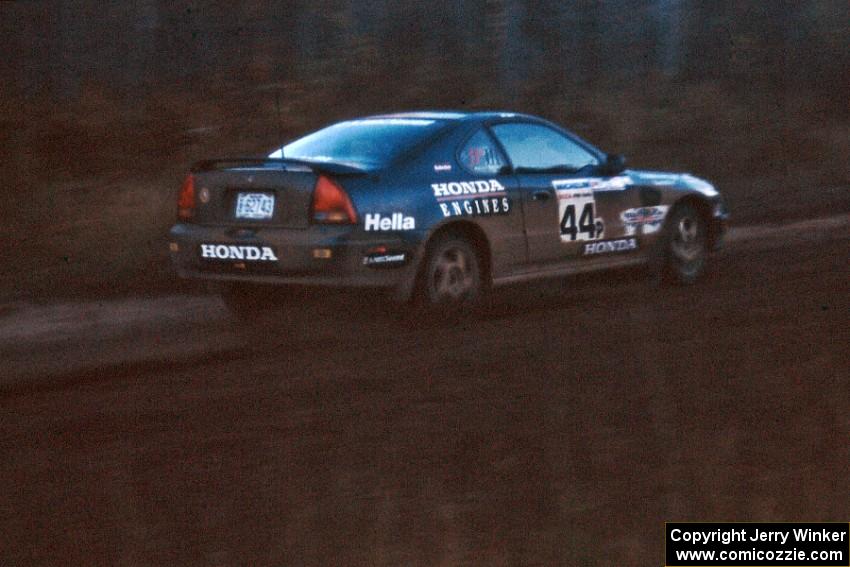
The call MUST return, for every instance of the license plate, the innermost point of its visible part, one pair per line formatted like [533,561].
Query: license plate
[254,206]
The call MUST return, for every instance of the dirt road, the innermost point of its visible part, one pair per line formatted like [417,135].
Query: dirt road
[562,426]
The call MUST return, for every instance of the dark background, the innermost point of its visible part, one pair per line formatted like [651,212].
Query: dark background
[104,105]
[141,425]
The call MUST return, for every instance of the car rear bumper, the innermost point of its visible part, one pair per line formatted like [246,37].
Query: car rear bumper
[321,256]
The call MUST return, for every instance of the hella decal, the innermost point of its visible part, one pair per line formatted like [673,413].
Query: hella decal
[609,246]
[396,221]
[238,252]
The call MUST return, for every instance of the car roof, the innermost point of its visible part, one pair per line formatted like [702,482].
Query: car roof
[452,115]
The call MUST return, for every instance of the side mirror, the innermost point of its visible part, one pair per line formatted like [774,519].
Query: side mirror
[613,165]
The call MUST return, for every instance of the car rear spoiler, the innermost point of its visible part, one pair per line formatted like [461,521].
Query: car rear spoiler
[219,164]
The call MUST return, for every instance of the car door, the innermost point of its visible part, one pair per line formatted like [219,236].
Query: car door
[486,189]
[567,203]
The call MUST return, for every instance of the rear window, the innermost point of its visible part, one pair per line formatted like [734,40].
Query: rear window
[480,155]
[371,142]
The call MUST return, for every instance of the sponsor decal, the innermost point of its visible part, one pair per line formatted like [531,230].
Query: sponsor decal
[594,183]
[442,167]
[649,219]
[238,252]
[577,205]
[396,221]
[655,178]
[455,189]
[472,198]
[609,246]
[480,206]
[577,215]
[385,260]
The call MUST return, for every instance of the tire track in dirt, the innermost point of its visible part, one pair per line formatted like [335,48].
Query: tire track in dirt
[114,337]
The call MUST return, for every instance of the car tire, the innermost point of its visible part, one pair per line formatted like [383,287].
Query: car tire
[685,246]
[451,275]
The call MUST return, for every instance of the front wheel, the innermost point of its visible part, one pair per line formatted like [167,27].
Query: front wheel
[685,246]
[452,274]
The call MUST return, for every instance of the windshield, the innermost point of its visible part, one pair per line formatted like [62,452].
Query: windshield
[371,143]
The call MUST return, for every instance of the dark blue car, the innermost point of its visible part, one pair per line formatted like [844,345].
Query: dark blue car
[438,206]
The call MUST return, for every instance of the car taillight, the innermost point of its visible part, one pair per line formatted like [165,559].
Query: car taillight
[331,203]
[186,203]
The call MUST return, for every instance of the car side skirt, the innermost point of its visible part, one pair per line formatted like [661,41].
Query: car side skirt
[567,270]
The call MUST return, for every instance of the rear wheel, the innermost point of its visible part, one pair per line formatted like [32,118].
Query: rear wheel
[685,246]
[452,273]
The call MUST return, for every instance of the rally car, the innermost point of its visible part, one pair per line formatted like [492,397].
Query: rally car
[439,207]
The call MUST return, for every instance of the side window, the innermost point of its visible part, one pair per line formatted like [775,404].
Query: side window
[480,155]
[537,147]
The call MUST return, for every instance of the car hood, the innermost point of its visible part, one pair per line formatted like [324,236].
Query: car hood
[667,179]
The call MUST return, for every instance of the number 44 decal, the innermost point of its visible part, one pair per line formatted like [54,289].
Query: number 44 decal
[578,217]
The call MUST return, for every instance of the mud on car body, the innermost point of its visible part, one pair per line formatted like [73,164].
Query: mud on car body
[437,206]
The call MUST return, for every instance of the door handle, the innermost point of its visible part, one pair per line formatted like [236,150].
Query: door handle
[541,195]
